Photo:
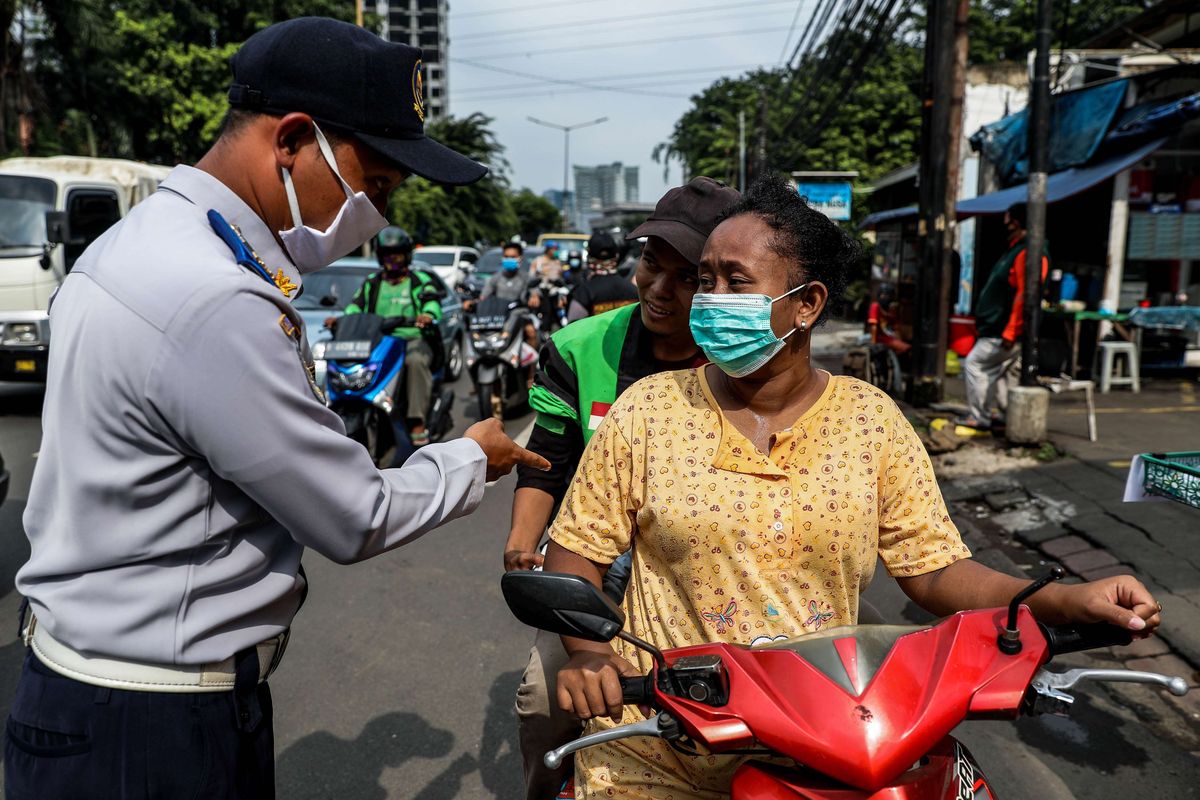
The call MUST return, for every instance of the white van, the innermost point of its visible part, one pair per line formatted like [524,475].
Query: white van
[51,209]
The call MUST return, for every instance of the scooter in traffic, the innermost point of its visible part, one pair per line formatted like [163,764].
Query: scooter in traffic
[864,711]
[363,379]
[499,359]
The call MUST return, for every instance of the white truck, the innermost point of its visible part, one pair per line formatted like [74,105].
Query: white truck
[51,209]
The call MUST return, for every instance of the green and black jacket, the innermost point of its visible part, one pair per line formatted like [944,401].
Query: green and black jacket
[581,372]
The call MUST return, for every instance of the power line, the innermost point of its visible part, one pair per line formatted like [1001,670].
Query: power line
[533,7]
[634,19]
[578,48]
[543,90]
[633,76]
[564,81]
[791,30]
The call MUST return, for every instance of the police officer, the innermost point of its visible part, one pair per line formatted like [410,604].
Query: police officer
[188,458]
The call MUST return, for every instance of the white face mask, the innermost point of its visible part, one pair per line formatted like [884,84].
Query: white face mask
[357,221]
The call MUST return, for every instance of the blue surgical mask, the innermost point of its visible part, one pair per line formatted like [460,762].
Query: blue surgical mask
[734,330]
[510,264]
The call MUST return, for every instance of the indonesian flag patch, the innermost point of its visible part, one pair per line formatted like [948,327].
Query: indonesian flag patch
[599,410]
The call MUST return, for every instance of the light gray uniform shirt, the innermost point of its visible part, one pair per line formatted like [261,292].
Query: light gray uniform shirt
[186,460]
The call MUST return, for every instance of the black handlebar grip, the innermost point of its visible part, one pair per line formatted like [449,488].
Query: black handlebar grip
[1075,638]
[637,691]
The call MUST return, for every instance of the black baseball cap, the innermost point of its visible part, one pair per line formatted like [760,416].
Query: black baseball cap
[686,215]
[351,80]
[602,246]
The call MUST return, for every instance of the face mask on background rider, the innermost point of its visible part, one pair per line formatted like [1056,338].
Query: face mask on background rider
[734,330]
[395,265]
[510,265]
[356,222]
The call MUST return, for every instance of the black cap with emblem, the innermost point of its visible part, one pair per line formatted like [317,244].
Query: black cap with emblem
[349,79]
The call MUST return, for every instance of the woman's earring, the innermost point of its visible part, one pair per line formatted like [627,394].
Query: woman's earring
[803,326]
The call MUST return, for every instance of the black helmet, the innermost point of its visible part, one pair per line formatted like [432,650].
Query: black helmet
[393,239]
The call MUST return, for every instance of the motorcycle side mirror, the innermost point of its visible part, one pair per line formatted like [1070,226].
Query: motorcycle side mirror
[563,604]
[57,228]
[328,301]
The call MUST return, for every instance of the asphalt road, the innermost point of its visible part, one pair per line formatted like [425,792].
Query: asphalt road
[399,679]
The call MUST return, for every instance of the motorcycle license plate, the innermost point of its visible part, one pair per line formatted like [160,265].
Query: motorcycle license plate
[487,323]
[353,350]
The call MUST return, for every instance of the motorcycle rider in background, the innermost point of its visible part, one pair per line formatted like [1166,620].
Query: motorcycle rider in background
[604,290]
[397,291]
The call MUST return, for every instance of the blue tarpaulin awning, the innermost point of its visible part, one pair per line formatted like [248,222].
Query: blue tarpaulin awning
[1079,121]
[1059,186]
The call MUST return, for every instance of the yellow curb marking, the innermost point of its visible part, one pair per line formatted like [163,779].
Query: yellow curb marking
[1159,410]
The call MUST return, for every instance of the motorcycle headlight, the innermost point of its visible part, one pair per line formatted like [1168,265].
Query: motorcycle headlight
[21,333]
[354,379]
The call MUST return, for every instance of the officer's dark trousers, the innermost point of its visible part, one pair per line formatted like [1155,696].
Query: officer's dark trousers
[67,740]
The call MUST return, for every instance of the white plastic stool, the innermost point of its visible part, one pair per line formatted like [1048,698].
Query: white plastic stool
[1108,353]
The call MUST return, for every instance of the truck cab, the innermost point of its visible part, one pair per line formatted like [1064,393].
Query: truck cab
[51,210]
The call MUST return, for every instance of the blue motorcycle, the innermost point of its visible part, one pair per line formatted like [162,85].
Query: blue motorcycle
[364,379]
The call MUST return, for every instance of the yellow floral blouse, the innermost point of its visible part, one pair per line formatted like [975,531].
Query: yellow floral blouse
[732,545]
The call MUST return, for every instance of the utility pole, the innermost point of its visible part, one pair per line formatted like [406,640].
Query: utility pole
[1039,145]
[941,131]
[760,161]
[358,13]
[742,151]
[566,129]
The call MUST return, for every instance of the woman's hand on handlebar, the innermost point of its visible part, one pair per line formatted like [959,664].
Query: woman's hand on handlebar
[1121,600]
[590,686]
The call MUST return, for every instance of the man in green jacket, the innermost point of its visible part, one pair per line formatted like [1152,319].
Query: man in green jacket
[399,291]
[583,369]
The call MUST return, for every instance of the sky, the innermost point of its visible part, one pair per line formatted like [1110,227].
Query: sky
[650,56]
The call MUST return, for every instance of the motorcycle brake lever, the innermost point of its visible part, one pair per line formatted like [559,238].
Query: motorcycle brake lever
[648,727]
[1065,680]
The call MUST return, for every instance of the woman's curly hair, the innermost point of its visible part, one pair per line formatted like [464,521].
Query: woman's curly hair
[817,248]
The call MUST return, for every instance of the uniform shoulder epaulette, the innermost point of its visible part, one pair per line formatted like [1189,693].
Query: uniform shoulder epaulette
[245,254]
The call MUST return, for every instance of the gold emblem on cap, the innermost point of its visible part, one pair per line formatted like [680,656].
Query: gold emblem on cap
[418,88]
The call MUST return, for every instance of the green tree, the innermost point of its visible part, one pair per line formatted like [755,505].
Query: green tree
[140,79]
[535,214]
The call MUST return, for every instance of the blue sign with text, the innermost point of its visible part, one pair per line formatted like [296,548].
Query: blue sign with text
[831,199]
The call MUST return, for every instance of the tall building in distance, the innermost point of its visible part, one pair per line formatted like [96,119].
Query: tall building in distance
[599,187]
[555,196]
[422,23]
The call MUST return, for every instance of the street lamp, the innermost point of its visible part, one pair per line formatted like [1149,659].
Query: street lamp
[566,129]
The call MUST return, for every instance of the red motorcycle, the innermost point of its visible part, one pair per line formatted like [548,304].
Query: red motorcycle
[865,711]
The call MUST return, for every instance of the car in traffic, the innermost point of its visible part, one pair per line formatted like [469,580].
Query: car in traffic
[3,480]
[451,262]
[328,292]
[487,266]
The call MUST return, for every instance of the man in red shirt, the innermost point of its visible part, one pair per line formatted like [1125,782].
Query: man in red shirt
[1000,322]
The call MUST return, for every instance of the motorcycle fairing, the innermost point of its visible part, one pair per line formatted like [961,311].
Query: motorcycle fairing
[948,772]
[868,735]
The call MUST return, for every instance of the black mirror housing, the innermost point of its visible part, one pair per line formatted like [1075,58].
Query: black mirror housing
[562,603]
[56,227]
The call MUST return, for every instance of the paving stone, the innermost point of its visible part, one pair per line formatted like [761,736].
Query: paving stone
[956,491]
[1020,518]
[1111,571]
[1143,648]
[1002,501]
[1090,559]
[1064,546]
[1043,533]
[1171,664]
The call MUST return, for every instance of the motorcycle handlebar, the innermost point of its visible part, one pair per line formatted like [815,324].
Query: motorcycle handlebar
[1075,638]
[390,324]
[638,690]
